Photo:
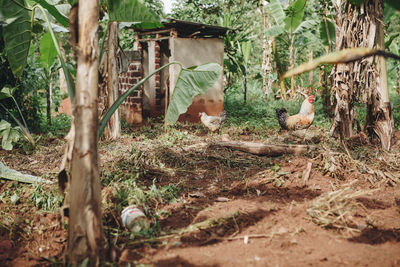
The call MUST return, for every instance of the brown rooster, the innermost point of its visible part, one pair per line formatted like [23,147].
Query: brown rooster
[302,120]
[213,123]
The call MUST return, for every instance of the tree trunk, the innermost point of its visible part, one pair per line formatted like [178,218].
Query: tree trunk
[267,53]
[342,84]
[48,101]
[379,112]
[398,79]
[291,62]
[113,129]
[85,237]
[278,68]
[364,80]
[245,85]
[310,76]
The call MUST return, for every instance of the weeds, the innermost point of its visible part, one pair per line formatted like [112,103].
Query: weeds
[46,198]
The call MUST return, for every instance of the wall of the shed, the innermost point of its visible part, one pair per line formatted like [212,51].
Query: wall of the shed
[199,51]
[131,108]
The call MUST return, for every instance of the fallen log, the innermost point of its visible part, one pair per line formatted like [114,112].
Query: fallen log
[265,149]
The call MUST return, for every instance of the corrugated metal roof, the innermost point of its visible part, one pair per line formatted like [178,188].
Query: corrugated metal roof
[187,29]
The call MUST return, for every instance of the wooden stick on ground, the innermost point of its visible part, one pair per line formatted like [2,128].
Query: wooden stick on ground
[265,149]
[306,172]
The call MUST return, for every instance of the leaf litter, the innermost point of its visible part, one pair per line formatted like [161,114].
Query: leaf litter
[179,180]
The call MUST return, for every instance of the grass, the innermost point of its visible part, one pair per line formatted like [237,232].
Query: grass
[258,113]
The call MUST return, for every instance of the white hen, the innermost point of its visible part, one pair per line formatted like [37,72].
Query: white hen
[213,123]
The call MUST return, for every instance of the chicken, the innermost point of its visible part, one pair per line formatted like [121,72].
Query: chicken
[302,120]
[213,123]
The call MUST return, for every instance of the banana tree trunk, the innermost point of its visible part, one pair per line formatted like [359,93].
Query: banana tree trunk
[245,85]
[291,62]
[310,76]
[278,68]
[398,79]
[113,129]
[267,53]
[85,234]
[379,112]
[365,80]
[49,96]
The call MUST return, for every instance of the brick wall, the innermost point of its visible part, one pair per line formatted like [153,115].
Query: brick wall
[131,108]
[159,95]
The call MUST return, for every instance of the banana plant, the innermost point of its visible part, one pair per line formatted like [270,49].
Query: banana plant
[48,55]
[288,26]
[19,19]
[9,135]
[7,92]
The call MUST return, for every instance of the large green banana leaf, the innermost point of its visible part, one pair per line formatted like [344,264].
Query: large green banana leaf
[275,30]
[54,11]
[294,15]
[48,52]
[191,82]
[277,12]
[16,33]
[133,11]
[323,32]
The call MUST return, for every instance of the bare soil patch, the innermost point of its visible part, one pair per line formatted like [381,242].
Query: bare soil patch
[244,209]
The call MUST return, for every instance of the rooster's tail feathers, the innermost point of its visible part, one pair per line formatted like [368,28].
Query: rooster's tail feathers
[281,114]
[223,115]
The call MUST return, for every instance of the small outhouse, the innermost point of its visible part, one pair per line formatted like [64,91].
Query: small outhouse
[186,42]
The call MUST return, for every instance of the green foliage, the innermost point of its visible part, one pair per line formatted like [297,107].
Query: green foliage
[294,15]
[156,6]
[12,195]
[323,27]
[60,125]
[202,11]
[133,11]
[7,92]
[16,33]
[394,3]
[128,192]
[276,9]
[46,198]
[258,113]
[48,52]
[6,75]
[61,18]
[9,135]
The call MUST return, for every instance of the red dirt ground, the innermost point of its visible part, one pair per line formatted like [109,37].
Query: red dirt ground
[267,223]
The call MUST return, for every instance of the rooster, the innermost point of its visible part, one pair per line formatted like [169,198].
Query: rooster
[213,123]
[302,120]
